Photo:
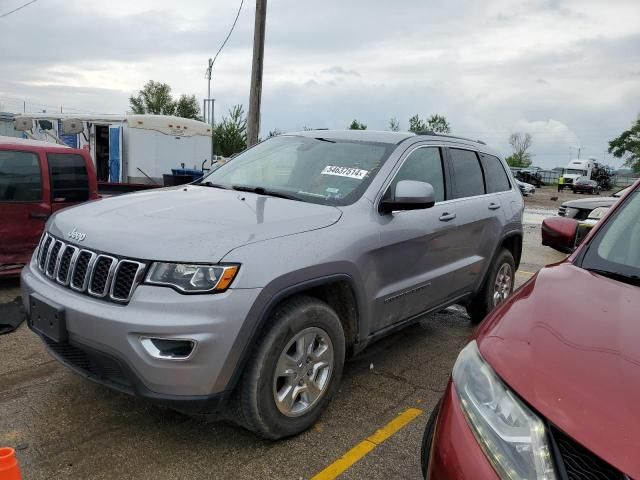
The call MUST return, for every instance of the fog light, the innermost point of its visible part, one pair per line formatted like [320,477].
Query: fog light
[168,348]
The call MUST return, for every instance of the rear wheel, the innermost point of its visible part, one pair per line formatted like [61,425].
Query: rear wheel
[295,369]
[496,289]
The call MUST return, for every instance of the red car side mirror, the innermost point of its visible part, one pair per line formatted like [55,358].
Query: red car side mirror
[560,233]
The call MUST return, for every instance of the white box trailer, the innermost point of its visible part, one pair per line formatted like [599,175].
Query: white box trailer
[127,148]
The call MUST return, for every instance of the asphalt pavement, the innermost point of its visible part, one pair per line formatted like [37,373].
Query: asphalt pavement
[65,427]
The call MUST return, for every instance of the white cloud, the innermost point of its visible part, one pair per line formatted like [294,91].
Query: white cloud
[565,70]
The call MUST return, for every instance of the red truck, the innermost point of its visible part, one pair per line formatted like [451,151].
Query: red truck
[36,180]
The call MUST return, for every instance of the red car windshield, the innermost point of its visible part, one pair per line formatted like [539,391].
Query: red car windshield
[614,251]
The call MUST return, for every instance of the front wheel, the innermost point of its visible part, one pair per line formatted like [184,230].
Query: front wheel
[496,289]
[295,370]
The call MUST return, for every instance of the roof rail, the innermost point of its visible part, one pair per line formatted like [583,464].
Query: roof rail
[431,132]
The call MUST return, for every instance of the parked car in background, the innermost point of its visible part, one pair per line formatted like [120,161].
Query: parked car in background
[526,188]
[580,209]
[326,241]
[37,179]
[548,387]
[585,185]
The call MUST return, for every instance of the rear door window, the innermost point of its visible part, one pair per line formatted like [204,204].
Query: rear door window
[424,165]
[20,177]
[69,179]
[494,174]
[467,173]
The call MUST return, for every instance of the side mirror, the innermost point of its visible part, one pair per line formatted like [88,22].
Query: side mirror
[560,233]
[409,195]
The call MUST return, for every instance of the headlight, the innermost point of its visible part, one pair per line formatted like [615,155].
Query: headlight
[510,434]
[192,278]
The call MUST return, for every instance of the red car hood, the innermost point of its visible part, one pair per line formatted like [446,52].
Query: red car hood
[569,344]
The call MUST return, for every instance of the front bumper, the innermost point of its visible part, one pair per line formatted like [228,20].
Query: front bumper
[455,452]
[104,338]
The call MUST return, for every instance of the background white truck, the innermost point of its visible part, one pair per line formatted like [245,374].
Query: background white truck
[578,168]
[126,148]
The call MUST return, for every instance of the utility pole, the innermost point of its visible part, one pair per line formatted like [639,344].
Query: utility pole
[255,95]
[208,104]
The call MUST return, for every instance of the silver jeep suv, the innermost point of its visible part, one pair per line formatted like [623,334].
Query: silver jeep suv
[245,292]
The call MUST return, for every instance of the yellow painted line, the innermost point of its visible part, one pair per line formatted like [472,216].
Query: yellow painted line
[360,450]
[524,272]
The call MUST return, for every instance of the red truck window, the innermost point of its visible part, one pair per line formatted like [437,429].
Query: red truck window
[19,177]
[70,182]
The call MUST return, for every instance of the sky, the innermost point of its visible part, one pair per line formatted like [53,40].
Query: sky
[568,72]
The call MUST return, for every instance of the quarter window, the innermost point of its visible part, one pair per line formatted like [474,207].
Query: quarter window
[424,165]
[69,177]
[467,173]
[20,179]
[494,174]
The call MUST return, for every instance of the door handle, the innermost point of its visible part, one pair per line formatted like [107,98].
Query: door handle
[494,206]
[42,216]
[445,217]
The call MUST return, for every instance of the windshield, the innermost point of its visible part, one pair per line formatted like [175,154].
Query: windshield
[574,171]
[318,170]
[615,249]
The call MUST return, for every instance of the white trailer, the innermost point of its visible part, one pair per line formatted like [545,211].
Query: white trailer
[127,148]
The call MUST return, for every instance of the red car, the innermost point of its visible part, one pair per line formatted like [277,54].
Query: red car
[36,180]
[550,385]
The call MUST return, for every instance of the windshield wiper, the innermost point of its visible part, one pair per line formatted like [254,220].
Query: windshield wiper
[264,191]
[212,185]
[325,140]
[621,277]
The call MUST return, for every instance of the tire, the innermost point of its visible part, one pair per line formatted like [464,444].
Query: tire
[484,301]
[427,439]
[298,317]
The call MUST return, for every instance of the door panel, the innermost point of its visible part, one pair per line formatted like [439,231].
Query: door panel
[115,154]
[413,261]
[24,208]
[481,215]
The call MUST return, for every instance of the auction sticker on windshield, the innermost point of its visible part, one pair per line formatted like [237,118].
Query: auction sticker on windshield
[345,172]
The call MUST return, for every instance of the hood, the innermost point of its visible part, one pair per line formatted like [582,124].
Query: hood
[568,344]
[590,204]
[188,224]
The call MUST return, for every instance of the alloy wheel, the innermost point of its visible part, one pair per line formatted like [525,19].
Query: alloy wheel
[303,372]
[503,284]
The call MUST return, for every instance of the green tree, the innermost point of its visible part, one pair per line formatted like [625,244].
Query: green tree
[521,143]
[154,98]
[627,146]
[416,124]
[438,124]
[394,125]
[230,135]
[356,125]
[187,107]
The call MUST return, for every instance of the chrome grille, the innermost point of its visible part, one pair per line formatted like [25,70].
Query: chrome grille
[97,274]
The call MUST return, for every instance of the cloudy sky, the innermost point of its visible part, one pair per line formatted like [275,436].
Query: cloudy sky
[568,71]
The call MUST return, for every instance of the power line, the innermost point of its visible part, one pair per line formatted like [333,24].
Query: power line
[228,34]
[16,9]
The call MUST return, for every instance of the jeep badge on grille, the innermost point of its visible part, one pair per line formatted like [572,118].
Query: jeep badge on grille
[76,235]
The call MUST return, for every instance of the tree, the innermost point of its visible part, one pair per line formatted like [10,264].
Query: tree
[521,142]
[187,107]
[438,124]
[155,98]
[230,135]
[394,125]
[416,124]
[356,125]
[627,146]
